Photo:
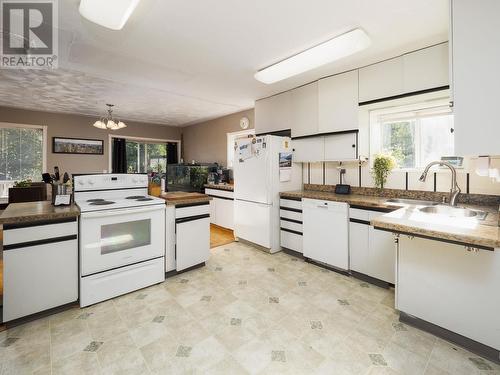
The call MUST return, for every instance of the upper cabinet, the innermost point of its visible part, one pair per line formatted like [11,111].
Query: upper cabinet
[426,68]
[416,71]
[304,109]
[273,114]
[475,41]
[338,102]
[381,80]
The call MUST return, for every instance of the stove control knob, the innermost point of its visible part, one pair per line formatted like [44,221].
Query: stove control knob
[135,180]
[81,183]
[90,182]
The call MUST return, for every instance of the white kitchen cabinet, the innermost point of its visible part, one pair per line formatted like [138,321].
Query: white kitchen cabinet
[308,150]
[212,212]
[426,68]
[40,267]
[273,114]
[224,212]
[382,253]
[192,235]
[325,232]
[221,207]
[358,247]
[338,102]
[304,109]
[291,228]
[446,285]
[381,80]
[475,36]
[372,251]
[340,147]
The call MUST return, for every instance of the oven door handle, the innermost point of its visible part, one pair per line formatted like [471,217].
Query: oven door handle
[108,213]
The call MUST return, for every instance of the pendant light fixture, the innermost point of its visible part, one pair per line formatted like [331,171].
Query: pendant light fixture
[108,122]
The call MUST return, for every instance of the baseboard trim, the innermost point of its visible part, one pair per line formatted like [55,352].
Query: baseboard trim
[473,346]
[326,266]
[371,280]
[292,252]
[175,272]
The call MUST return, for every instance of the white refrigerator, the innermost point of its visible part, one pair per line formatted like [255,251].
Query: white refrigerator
[262,169]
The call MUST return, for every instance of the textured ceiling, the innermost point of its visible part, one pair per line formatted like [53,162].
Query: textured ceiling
[67,91]
[178,62]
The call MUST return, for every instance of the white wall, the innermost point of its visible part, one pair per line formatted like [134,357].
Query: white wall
[313,172]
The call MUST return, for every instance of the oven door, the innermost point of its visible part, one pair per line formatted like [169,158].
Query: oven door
[115,238]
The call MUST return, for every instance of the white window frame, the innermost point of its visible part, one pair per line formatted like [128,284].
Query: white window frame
[420,106]
[140,140]
[10,125]
[231,137]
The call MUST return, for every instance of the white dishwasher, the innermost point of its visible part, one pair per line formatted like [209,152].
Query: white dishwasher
[326,232]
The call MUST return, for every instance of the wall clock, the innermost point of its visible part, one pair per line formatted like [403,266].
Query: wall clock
[244,122]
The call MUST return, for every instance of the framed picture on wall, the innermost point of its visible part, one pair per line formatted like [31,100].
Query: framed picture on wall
[63,145]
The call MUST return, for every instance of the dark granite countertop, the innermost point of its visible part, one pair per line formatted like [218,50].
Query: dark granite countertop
[36,211]
[408,219]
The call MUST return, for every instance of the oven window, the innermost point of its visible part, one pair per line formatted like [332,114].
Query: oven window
[123,236]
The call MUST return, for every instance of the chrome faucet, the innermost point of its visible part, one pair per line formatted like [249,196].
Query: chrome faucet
[455,189]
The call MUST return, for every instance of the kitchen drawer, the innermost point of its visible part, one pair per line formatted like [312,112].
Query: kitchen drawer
[194,210]
[291,215]
[291,241]
[219,193]
[39,232]
[290,203]
[291,225]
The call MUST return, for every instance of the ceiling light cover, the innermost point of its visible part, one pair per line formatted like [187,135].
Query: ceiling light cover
[112,14]
[331,50]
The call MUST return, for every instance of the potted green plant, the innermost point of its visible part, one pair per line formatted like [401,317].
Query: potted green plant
[383,164]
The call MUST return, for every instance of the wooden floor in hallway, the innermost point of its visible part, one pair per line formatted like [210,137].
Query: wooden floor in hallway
[220,236]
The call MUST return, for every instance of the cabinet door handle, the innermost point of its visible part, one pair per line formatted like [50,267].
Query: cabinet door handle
[322,206]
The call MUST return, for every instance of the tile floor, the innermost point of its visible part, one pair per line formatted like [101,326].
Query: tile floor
[246,312]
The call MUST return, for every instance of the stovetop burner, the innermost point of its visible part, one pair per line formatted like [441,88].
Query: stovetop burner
[95,200]
[135,197]
[144,199]
[101,202]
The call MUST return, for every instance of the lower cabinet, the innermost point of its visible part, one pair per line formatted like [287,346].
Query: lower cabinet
[187,236]
[221,208]
[291,224]
[451,287]
[40,265]
[372,252]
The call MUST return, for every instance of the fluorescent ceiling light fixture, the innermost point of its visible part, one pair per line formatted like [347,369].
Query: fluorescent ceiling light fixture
[324,53]
[112,14]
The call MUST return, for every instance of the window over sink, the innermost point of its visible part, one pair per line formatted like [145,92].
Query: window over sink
[414,134]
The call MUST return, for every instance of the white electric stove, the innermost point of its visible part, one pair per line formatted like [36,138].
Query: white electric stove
[121,235]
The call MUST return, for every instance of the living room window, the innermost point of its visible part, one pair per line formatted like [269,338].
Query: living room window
[22,154]
[414,135]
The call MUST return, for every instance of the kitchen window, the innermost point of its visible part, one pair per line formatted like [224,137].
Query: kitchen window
[415,135]
[22,154]
[231,138]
